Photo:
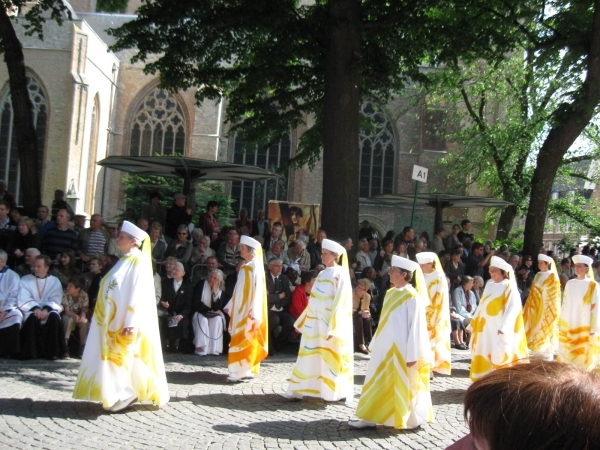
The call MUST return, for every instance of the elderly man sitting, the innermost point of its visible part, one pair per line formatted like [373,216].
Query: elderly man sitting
[298,255]
[10,316]
[176,298]
[279,298]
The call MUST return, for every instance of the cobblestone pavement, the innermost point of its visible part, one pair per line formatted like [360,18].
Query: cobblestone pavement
[205,412]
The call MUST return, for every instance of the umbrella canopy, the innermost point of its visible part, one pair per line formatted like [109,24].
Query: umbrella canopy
[190,169]
[441,201]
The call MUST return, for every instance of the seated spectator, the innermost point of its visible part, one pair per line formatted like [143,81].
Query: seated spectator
[464,300]
[7,228]
[458,330]
[274,236]
[158,245]
[279,298]
[169,264]
[477,289]
[212,263]
[455,268]
[59,203]
[301,294]
[24,239]
[401,250]
[277,251]
[362,255]
[229,252]
[60,238]
[383,260]
[566,268]
[75,314]
[176,298]
[45,224]
[231,279]
[91,282]
[28,262]
[10,315]
[527,407]
[209,320]
[93,240]
[66,268]
[243,221]
[314,248]
[196,236]
[180,248]
[202,251]
[40,298]
[292,273]
[361,316]
[298,255]
[373,249]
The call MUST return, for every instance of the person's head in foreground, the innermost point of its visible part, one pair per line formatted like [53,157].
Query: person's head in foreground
[542,405]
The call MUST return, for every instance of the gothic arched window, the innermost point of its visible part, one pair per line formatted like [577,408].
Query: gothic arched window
[10,167]
[377,153]
[255,195]
[158,126]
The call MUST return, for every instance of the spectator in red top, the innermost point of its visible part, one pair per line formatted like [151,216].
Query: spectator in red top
[301,293]
[209,222]
[243,221]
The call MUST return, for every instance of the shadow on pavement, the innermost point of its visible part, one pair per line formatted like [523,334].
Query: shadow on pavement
[66,409]
[196,377]
[255,402]
[447,397]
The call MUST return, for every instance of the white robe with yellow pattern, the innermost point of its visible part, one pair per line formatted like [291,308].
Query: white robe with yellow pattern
[499,310]
[325,368]
[393,393]
[579,325]
[437,314]
[115,367]
[540,314]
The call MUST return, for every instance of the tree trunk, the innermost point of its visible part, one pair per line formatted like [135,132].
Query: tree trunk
[339,210]
[573,119]
[24,127]
[505,222]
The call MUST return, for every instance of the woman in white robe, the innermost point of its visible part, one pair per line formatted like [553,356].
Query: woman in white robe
[396,388]
[10,315]
[579,323]
[437,313]
[325,365]
[40,301]
[498,335]
[122,362]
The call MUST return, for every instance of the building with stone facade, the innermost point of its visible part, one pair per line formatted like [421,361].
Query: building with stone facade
[91,103]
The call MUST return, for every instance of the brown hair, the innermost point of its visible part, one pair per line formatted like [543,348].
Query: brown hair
[543,405]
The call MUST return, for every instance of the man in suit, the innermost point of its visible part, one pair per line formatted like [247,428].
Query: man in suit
[260,226]
[273,236]
[279,298]
[176,298]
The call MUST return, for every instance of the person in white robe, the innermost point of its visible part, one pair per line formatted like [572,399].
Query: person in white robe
[396,388]
[498,334]
[325,364]
[248,315]
[122,362]
[40,301]
[209,319]
[437,313]
[579,323]
[10,315]
[542,309]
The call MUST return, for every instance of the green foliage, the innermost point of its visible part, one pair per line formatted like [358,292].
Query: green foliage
[37,13]
[577,209]
[111,5]
[137,190]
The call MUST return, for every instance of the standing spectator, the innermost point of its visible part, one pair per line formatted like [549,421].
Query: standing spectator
[273,236]
[464,233]
[437,242]
[455,268]
[361,316]
[383,260]
[24,239]
[298,255]
[177,215]
[45,224]
[362,255]
[79,223]
[243,221]
[180,248]
[229,252]
[58,239]
[75,303]
[209,222]
[301,293]
[93,240]
[373,249]
[452,240]
[158,245]
[6,196]
[366,231]
[566,268]
[155,212]
[260,226]
[314,248]
[10,315]
[176,298]
[476,261]
[7,228]
[60,203]
[279,298]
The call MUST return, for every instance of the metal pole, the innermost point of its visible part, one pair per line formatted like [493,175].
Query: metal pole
[412,217]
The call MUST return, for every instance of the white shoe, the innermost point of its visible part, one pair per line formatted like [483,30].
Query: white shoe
[200,353]
[231,379]
[249,376]
[291,395]
[123,404]
[359,424]
[216,354]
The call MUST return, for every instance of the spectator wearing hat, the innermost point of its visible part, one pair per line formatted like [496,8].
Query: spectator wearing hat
[178,214]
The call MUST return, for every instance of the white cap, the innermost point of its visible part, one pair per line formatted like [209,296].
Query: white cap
[426,257]
[250,242]
[500,264]
[582,259]
[546,258]
[333,246]
[138,233]
[403,263]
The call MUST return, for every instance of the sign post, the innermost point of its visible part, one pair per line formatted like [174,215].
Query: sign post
[419,174]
